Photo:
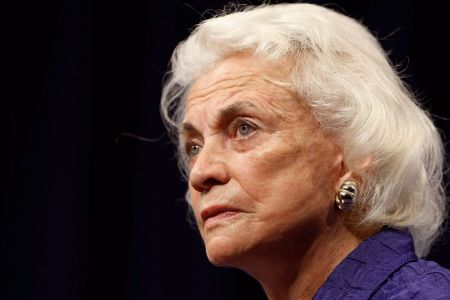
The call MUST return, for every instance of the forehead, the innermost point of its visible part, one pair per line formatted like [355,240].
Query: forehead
[239,75]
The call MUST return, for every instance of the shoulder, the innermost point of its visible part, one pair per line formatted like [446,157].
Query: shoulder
[419,279]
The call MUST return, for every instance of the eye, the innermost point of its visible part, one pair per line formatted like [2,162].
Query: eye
[244,130]
[193,150]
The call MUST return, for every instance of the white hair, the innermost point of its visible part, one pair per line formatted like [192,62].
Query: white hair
[342,72]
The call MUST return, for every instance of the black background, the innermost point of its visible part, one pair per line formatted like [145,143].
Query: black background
[87,215]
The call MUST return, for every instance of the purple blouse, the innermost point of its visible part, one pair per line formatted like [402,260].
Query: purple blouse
[386,267]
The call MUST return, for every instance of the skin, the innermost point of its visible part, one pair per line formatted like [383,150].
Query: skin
[255,146]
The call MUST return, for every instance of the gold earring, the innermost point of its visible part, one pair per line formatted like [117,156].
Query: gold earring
[347,195]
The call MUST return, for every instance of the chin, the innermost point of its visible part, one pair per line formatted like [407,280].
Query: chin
[223,251]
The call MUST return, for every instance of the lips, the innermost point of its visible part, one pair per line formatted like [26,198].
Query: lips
[218,212]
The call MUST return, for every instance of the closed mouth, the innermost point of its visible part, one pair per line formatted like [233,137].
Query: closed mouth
[218,212]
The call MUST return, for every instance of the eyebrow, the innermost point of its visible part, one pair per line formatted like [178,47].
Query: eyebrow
[187,129]
[230,111]
[224,115]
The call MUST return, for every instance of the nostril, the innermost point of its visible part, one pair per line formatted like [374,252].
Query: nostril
[207,184]
[211,182]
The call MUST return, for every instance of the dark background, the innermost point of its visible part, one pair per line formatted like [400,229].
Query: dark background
[85,217]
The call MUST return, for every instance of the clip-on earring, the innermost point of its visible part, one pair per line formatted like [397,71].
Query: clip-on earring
[347,195]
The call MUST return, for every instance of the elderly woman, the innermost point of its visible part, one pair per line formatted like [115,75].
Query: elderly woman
[311,166]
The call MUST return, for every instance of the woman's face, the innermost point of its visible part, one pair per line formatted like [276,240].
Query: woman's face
[263,175]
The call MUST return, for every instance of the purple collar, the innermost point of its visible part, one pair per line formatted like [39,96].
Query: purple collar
[364,270]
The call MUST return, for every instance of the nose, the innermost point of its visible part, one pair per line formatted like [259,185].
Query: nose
[209,169]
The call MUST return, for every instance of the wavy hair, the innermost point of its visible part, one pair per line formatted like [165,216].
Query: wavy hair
[355,93]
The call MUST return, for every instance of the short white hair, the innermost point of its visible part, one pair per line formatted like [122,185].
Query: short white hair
[355,93]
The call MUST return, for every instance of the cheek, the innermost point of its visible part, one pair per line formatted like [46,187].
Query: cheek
[293,172]
[195,204]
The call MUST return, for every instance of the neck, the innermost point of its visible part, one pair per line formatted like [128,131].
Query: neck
[297,272]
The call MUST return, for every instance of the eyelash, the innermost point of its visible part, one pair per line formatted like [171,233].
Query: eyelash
[241,122]
[188,147]
[234,130]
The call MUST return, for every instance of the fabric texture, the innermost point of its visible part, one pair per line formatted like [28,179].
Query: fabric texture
[385,266]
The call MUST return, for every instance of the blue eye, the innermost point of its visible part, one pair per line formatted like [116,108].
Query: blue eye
[244,130]
[193,150]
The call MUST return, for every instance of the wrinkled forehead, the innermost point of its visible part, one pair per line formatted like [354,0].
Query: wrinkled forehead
[236,73]
[242,86]
[223,69]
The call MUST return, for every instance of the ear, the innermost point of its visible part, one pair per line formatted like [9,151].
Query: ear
[346,174]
